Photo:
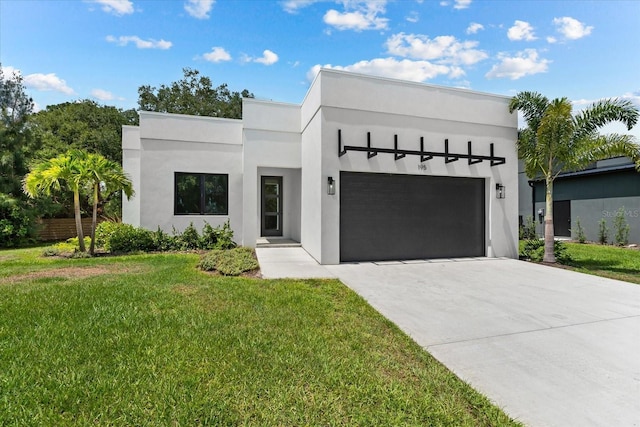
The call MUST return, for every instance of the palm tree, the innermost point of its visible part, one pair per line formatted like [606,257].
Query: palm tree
[555,141]
[68,169]
[106,177]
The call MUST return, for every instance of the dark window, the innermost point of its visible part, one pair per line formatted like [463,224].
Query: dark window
[201,194]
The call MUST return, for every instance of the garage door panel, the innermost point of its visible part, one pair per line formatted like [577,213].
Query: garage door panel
[387,217]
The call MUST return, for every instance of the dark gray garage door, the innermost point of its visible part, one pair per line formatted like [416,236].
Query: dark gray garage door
[396,217]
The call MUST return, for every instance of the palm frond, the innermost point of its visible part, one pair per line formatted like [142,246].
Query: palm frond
[532,105]
[601,147]
[603,112]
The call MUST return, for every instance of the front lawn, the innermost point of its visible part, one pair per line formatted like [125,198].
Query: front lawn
[150,340]
[606,261]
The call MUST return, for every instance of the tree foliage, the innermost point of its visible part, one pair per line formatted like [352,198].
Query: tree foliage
[65,171]
[81,173]
[555,141]
[106,177]
[16,145]
[194,94]
[82,125]
[15,134]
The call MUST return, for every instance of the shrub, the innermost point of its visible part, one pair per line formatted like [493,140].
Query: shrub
[232,262]
[603,232]
[209,237]
[528,229]
[118,237]
[582,238]
[533,250]
[104,231]
[188,239]
[69,247]
[50,251]
[16,222]
[163,241]
[224,236]
[127,238]
[622,228]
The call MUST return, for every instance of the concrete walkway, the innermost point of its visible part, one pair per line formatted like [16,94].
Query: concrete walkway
[550,346]
[289,262]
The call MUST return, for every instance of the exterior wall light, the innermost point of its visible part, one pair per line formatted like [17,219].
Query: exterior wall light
[500,191]
[331,186]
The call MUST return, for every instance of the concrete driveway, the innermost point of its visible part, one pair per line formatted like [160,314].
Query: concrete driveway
[550,346]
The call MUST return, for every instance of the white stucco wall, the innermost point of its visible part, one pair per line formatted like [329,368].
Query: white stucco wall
[171,143]
[358,105]
[131,166]
[271,139]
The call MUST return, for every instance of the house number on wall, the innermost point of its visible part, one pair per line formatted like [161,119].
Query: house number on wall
[422,167]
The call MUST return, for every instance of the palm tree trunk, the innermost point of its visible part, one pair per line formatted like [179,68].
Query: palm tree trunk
[94,219]
[549,255]
[76,211]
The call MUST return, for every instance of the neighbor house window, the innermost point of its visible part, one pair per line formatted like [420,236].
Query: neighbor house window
[201,194]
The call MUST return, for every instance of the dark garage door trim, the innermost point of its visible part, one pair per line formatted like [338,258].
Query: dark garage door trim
[402,217]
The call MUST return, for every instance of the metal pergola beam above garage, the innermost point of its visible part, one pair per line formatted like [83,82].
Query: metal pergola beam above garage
[424,155]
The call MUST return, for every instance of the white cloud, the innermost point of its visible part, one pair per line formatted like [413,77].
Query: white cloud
[462,4]
[104,95]
[521,30]
[47,82]
[523,64]
[292,6]
[474,27]
[571,28]
[140,43]
[9,71]
[116,7]
[551,40]
[413,17]
[217,54]
[634,97]
[268,58]
[405,69]
[199,8]
[445,49]
[457,4]
[360,15]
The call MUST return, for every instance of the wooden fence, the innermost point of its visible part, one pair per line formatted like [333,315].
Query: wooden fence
[62,228]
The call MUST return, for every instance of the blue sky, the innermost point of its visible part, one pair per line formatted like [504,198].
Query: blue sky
[105,49]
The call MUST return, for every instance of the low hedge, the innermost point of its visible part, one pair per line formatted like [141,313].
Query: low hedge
[124,238]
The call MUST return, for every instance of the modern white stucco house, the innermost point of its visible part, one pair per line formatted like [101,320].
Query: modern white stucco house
[366,168]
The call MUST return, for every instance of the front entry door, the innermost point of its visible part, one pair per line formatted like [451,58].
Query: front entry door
[271,218]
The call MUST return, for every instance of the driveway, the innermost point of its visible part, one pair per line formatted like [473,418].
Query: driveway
[550,346]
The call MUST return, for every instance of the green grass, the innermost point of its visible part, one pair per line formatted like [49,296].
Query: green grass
[606,261]
[150,340]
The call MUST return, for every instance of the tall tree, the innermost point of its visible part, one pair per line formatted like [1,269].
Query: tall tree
[105,177]
[17,217]
[82,125]
[66,170]
[195,95]
[15,134]
[555,141]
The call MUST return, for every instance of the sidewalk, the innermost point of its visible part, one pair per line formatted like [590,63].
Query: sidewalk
[295,263]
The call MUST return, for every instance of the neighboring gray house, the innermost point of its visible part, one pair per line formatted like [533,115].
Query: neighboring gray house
[592,194]
[366,168]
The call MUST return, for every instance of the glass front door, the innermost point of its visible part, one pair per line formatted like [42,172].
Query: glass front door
[271,223]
